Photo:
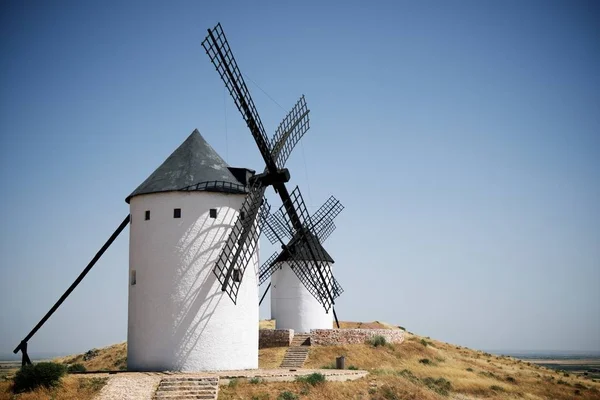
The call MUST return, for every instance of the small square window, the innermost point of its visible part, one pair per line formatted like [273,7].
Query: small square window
[133,277]
[237,276]
[147,217]
[177,213]
[213,213]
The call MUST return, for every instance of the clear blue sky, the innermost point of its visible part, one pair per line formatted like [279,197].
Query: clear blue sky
[463,138]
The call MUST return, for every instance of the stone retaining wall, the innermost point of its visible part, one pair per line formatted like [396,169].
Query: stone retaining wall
[332,337]
[275,338]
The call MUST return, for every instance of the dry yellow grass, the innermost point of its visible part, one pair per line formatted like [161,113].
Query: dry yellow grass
[266,324]
[72,388]
[271,357]
[360,389]
[366,325]
[111,358]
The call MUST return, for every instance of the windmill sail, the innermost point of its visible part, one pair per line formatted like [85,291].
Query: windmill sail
[267,268]
[242,241]
[289,132]
[220,54]
[277,228]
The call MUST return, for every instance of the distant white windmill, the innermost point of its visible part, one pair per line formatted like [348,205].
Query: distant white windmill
[294,299]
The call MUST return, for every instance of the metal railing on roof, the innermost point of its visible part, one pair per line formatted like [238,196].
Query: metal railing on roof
[216,186]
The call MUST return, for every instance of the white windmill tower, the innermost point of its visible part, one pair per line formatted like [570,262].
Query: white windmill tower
[179,318]
[294,298]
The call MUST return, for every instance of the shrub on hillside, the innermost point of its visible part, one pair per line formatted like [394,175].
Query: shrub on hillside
[287,396]
[389,393]
[121,364]
[440,385]
[312,379]
[46,374]
[377,341]
[90,354]
[406,373]
[425,361]
[233,383]
[74,368]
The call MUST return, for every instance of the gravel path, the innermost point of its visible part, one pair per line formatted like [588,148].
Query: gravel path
[134,386]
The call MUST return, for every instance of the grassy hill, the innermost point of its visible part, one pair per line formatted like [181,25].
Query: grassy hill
[111,358]
[419,368]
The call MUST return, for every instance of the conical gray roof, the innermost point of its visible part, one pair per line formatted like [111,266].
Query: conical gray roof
[317,249]
[194,162]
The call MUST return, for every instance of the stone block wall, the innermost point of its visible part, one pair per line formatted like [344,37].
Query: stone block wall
[332,337]
[275,338]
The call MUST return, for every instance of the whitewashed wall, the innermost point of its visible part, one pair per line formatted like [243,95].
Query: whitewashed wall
[292,305]
[179,319]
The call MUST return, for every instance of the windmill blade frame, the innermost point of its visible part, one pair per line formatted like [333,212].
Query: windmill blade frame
[329,210]
[219,52]
[296,202]
[337,289]
[311,274]
[290,131]
[324,230]
[278,228]
[267,268]
[242,241]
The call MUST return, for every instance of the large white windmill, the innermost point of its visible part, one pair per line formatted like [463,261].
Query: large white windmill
[179,318]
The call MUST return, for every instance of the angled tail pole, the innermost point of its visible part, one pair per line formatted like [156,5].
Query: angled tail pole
[264,294]
[25,360]
[337,323]
[23,345]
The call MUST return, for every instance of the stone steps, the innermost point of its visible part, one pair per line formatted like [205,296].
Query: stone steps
[300,340]
[183,388]
[294,357]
